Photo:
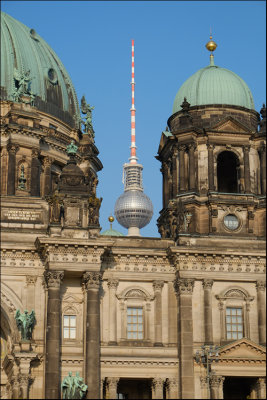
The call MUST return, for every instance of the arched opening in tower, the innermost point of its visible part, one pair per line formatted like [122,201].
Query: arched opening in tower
[228,172]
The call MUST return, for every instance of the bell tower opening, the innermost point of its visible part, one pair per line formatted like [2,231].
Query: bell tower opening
[228,172]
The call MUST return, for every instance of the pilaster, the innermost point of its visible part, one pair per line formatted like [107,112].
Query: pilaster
[112,285]
[208,327]
[91,282]
[260,286]
[157,388]
[158,285]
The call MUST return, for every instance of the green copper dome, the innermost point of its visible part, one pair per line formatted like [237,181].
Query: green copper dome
[25,54]
[214,85]
[112,232]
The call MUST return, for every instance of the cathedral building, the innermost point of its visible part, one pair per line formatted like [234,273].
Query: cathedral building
[129,317]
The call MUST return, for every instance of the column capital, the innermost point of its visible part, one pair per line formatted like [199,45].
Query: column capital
[31,279]
[210,146]
[112,382]
[91,280]
[184,285]
[158,285]
[113,283]
[216,380]
[13,148]
[192,146]
[47,161]
[182,147]
[157,383]
[35,153]
[260,286]
[53,278]
[246,148]
[207,283]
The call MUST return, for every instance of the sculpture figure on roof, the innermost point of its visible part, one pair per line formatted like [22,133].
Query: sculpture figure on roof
[22,91]
[87,110]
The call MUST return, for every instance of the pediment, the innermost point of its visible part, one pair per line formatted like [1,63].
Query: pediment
[70,298]
[230,125]
[242,349]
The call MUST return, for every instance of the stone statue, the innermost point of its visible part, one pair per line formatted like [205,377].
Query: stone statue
[87,110]
[94,206]
[25,323]
[22,179]
[22,91]
[72,149]
[73,387]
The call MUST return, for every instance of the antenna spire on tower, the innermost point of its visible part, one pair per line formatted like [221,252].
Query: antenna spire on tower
[133,158]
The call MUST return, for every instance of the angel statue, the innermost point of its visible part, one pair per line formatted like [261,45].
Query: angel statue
[25,323]
[22,86]
[87,110]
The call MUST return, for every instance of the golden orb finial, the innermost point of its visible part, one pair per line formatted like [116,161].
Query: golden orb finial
[211,45]
[111,218]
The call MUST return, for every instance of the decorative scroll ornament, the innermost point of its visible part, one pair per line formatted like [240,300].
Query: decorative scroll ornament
[25,323]
[73,387]
[87,110]
[22,90]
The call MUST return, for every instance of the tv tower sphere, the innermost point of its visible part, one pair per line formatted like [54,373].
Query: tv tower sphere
[133,209]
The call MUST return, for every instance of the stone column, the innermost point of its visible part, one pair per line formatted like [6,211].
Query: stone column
[172,316]
[172,387]
[182,168]
[210,166]
[208,327]
[263,169]
[261,388]
[246,168]
[11,174]
[91,282]
[192,172]
[47,175]
[216,387]
[15,388]
[24,384]
[157,388]
[158,285]
[260,286]
[35,173]
[112,284]
[53,330]
[175,172]
[184,288]
[112,387]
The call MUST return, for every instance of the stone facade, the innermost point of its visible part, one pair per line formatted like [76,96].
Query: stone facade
[132,314]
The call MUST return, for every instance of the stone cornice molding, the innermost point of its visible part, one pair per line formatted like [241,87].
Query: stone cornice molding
[53,279]
[91,280]
[139,363]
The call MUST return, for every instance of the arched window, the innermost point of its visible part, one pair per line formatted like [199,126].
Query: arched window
[228,172]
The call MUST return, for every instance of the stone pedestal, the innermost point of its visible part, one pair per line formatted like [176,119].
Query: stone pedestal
[53,328]
[91,282]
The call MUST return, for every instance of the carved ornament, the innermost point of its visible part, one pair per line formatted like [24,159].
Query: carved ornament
[184,285]
[91,280]
[53,279]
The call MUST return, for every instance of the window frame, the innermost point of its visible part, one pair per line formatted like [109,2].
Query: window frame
[137,323]
[233,323]
[69,327]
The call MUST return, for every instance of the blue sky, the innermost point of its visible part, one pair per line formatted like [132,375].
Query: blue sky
[93,40]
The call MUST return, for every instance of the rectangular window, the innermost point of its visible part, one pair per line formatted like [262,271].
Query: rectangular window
[69,327]
[234,323]
[135,326]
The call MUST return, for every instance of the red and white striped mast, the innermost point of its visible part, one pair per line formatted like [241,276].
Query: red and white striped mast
[133,158]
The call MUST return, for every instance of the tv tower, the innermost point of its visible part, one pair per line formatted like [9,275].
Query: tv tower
[133,209]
